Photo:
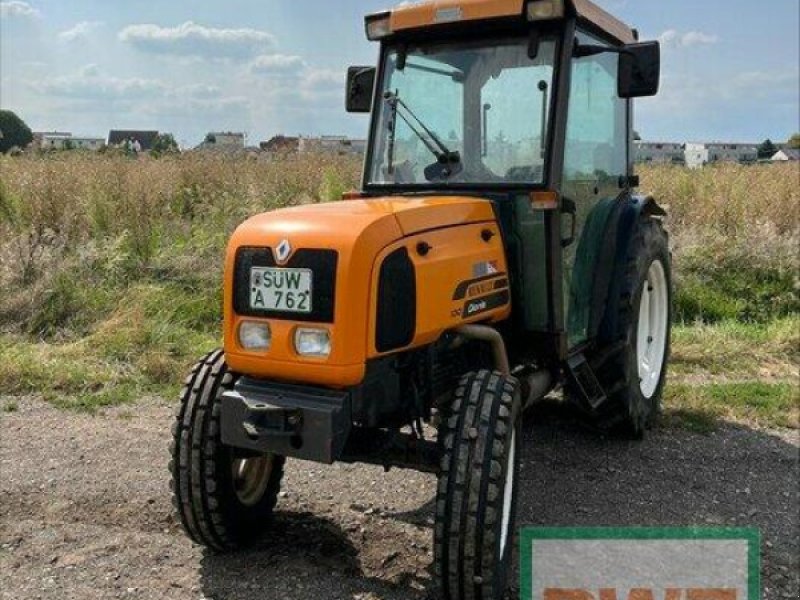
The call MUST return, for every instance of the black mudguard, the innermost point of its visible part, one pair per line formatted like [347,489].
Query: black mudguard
[602,254]
[611,273]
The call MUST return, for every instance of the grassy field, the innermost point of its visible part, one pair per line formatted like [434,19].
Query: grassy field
[110,274]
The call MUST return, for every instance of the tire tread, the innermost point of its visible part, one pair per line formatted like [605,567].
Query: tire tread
[197,493]
[475,441]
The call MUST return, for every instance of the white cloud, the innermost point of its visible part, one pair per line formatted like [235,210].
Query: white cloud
[201,91]
[706,97]
[17,8]
[90,84]
[277,65]
[191,39]
[324,79]
[674,38]
[775,85]
[697,38]
[178,104]
[90,70]
[80,31]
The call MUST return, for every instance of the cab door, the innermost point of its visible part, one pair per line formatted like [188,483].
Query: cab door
[594,179]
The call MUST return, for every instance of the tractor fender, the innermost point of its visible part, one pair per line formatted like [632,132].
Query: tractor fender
[610,277]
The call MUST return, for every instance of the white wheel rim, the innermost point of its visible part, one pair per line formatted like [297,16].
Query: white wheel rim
[508,495]
[651,337]
[251,478]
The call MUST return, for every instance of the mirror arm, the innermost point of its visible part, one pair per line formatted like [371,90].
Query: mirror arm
[586,50]
[402,57]
[534,41]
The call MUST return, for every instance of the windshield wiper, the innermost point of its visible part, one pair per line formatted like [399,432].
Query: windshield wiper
[448,162]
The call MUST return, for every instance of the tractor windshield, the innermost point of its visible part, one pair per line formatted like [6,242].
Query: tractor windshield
[472,113]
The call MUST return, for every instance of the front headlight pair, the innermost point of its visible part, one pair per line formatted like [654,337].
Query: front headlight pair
[308,341]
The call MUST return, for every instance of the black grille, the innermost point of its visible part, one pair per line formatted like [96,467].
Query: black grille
[397,302]
[323,266]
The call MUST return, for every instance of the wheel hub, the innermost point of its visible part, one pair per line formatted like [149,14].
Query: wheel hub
[251,477]
[651,338]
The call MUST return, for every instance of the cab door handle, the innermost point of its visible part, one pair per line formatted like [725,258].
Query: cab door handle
[568,207]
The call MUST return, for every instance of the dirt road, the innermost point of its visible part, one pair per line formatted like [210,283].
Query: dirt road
[85,511]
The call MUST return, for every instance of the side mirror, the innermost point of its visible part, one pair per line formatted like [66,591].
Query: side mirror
[639,70]
[360,85]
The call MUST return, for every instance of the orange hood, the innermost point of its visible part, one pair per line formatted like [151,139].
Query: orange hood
[344,221]
[358,230]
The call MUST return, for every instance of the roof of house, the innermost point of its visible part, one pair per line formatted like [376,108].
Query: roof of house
[740,145]
[648,143]
[437,12]
[280,142]
[790,153]
[145,138]
[58,134]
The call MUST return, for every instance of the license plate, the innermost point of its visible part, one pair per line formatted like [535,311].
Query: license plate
[286,290]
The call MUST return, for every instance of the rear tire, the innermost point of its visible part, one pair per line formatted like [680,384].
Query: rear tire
[477,493]
[223,501]
[640,319]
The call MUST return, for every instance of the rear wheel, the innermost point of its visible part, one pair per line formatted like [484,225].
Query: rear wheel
[224,500]
[634,376]
[477,492]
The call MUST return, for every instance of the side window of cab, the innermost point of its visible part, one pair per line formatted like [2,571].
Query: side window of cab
[595,158]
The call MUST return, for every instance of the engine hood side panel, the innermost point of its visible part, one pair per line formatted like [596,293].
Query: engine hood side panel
[462,278]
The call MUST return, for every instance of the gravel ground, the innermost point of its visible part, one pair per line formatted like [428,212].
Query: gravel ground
[85,512]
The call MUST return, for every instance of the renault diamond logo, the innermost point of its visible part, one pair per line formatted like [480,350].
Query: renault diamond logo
[283,251]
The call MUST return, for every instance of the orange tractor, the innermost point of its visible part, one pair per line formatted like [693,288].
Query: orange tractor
[495,252]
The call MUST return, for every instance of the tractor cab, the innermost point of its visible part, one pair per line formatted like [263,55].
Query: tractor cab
[528,104]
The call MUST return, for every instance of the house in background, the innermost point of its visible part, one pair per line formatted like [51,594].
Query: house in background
[87,143]
[223,140]
[704,153]
[786,154]
[62,140]
[659,152]
[146,139]
[281,144]
[50,140]
[336,144]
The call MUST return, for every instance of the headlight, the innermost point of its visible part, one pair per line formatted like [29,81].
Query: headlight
[544,10]
[312,342]
[255,335]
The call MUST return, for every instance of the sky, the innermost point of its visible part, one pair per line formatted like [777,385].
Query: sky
[730,67]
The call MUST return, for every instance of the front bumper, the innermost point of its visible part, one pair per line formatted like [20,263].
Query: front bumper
[302,422]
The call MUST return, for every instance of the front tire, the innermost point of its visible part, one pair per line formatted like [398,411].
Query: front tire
[224,501]
[477,492]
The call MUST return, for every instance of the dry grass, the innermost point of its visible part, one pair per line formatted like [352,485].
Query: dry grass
[72,221]
[735,233]
[729,199]
[110,269]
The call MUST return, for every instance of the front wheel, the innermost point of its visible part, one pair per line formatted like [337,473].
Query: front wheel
[223,500]
[477,492]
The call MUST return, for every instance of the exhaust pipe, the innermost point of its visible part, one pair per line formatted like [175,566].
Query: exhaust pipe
[492,337]
[536,384]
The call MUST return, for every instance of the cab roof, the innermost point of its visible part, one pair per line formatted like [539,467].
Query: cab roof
[420,15]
